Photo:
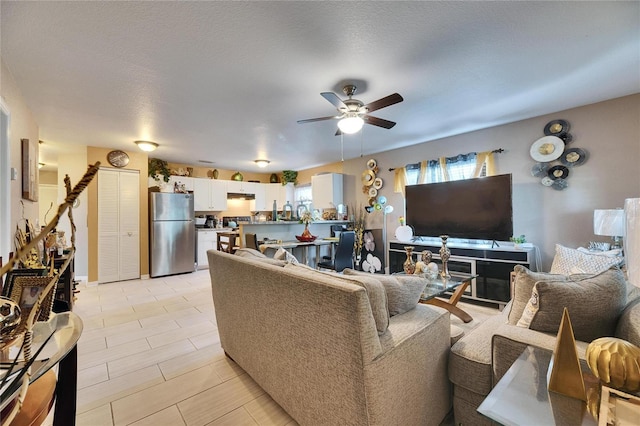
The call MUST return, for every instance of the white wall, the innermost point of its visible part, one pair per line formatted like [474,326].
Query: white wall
[609,131]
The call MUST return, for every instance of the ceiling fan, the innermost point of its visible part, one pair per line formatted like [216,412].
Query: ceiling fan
[354,113]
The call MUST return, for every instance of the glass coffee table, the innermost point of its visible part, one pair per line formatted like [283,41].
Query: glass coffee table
[438,287]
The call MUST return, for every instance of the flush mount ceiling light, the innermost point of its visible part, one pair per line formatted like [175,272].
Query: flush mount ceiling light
[352,123]
[147,146]
[262,163]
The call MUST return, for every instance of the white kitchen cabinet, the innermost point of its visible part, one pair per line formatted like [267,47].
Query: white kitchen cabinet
[209,195]
[280,193]
[240,187]
[260,202]
[327,190]
[207,240]
[118,225]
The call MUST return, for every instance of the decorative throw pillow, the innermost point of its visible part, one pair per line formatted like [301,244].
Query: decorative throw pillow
[595,303]
[283,254]
[522,288]
[403,292]
[375,291]
[257,256]
[569,261]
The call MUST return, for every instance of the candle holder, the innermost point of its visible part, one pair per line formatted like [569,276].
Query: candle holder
[445,254]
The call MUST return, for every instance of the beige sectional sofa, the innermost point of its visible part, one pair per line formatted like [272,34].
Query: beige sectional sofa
[599,305]
[319,345]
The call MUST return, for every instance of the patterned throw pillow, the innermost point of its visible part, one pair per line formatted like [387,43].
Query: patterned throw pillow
[403,292]
[594,302]
[283,254]
[522,288]
[569,261]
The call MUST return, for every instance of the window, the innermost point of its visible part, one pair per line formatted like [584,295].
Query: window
[302,195]
[460,167]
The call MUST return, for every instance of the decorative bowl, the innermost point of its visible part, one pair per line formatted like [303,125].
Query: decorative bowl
[305,239]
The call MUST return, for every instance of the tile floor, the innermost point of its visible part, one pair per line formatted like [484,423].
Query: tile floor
[150,355]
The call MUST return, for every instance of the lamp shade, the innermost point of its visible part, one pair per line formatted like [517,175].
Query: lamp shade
[632,240]
[608,222]
[350,124]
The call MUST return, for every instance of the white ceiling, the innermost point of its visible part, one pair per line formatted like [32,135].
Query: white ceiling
[227,81]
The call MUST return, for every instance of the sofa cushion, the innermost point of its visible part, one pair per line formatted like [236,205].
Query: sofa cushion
[628,327]
[403,291]
[594,302]
[256,255]
[522,288]
[569,261]
[375,291]
[470,358]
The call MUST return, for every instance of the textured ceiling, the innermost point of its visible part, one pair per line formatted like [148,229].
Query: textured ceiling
[227,81]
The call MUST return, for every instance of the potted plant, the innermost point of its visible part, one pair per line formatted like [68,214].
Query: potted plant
[518,241]
[289,176]
[159,170]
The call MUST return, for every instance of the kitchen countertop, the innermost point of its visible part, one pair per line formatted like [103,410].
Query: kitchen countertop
[215,229]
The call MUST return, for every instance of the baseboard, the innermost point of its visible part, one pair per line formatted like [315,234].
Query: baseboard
[145,277]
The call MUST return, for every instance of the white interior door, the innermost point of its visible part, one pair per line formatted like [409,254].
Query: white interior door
[118,225]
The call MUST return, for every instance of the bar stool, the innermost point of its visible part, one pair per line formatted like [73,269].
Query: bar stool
[228,241]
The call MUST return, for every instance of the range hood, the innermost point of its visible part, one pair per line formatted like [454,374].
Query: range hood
[240,196]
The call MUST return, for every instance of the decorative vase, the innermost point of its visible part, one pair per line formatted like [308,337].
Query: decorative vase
[306,235]
[273,178]
[409,265]
[445,254]
[237,176]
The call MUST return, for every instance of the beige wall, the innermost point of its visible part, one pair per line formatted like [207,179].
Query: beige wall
[137,161]
[609,131]
[21,126]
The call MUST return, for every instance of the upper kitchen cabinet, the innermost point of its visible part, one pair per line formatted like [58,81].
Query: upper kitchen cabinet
[240,187]
[209,195]
[327,190]
[280,193]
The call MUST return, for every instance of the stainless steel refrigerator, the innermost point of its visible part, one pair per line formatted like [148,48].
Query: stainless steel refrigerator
[172,234]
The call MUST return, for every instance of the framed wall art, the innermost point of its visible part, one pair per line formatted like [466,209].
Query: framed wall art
[11,276]
[29,171]
[27,290]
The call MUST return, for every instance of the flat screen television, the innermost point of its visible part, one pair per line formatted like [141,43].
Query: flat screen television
[478,208]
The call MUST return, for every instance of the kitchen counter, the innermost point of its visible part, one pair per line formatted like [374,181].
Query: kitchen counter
[287,230]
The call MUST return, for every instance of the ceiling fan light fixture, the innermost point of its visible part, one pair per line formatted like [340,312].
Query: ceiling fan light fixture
[351,124]
[262,163]
[146,146]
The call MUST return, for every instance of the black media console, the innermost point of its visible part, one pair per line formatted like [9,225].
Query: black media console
[492,265]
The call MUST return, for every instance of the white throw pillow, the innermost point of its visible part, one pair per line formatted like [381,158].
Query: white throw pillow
[568,261]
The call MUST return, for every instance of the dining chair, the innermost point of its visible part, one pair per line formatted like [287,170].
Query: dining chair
[227,241]
[334,230]
[251,241]
[343,257]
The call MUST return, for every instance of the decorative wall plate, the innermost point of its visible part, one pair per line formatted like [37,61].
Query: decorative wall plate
[567,138]
[373,192]
[371,164]
[560,184]
[377,183]
[547,148]
[118,158]
[546,181]
[573,157]
[558,172]
[540,169]
[367,177]
[372,201]
[555,127]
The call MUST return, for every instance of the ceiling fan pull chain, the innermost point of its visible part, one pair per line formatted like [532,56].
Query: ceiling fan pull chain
[342,147]
[361,140]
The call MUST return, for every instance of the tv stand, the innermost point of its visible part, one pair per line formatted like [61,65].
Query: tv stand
[492,265]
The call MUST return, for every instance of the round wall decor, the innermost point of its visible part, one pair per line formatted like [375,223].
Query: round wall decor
[118,158]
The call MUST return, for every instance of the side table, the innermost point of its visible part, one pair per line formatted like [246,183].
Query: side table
[521,396]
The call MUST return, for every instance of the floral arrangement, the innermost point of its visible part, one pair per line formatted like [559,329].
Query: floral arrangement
[518,240]
[306,218]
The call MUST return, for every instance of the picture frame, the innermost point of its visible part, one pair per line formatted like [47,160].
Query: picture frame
[28,289]
[11,276]
[29,171]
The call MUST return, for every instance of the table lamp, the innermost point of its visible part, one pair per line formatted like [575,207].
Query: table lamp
[609,222]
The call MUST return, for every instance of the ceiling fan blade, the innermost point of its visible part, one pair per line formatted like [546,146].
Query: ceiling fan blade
[334,99]
[311,120]
[384,102]
[380,122]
